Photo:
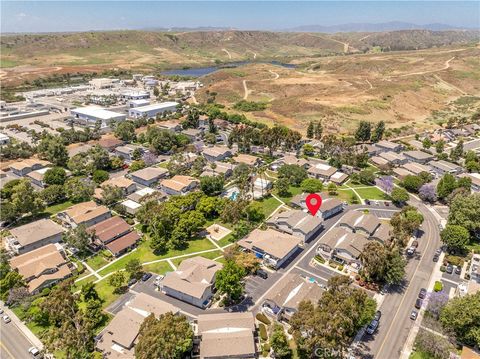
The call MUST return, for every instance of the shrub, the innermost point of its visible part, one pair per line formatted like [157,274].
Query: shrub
[263,318]
[263,332]
[455,260]
[443,269]
[319,258]
[265,349]
[438,286]
[340,268]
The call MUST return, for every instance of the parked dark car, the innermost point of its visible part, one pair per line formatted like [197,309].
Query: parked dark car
[418,303]
[436,257]
[367,201]
[449,269]
[131,282]
[422,294]
[146,277]
[262,274]
[387,203]
[458,270]
[372,327]
[378,315]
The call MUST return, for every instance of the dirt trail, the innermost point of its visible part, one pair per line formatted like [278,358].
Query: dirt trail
[274,74]
[365,37]
[453,87]
[228,53]
[445,67]
[247,91]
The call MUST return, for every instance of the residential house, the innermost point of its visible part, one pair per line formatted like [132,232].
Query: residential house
[321,171]
[34,235]
[113,234]
[292,160]
[110,144]
[170,125]
[127,151]
[475,177]
[42,267]
[131,207]
[178,185]
[329,208]
[370,150]
[78,148]
[473,145]
[359,222]
[383,233]
[226,335]
[193,281]
[401,173]
[146,193]
[36,177]
[126,184]
[21,168]
[441,167]
[393,158]
[386,146]
[416,168]
[418,156]
[338,178]
[220,168]
[217,153]
[380,162]
[118,339]
[297,223]
[290,291]
[247,159]
[274,247]
[193,134]
[86,213]
[149,176]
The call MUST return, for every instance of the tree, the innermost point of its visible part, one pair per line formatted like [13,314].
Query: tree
[395,267]
[10,281]
[308,149]
[78,190]
[440,146]
[363,132]
[412,183]
[156,91]
[117,280]
[93,312]
[432,344]
[136,165]
[446,185]
[436,302]
[78,237]
[427,143]
[462,316]
[332,189]
[366,176]
[111,194]
[378,132]
[25,199]
[211,207]
[137,155]
[310,129]
[229,281]
[247,260]
[457,151]
[465,212]
[134,268]
[405,222]
[399,196]
[189,223]
[53,149]
[282,185]
[88,291]
[53,194]
[428,193]
[55,175]
[311,185]
[318,130]
[99,157]
[125,131]
[279,343]
[385,183]
[169,336]
[78,164]
[295,174]
[212,185]
[455,237]
[8,212]
[254,212]
[374,256]
[332,323]
[100,176]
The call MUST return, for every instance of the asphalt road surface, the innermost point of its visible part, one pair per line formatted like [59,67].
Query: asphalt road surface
[13,344]
[395,325]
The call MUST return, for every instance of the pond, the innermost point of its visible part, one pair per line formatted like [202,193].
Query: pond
[202,71]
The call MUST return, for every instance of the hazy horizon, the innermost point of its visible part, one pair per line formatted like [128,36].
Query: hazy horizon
[74,16]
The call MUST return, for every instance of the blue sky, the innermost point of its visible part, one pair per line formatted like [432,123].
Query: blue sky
[52,16]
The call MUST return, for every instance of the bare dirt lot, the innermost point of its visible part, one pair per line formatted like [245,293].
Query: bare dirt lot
[401,88]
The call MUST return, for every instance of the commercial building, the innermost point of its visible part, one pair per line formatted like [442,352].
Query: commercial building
[90,115]
[42,267]
[152,110]
[193,281]
[134,95]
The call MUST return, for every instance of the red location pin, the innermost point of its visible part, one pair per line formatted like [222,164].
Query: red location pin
[313,202]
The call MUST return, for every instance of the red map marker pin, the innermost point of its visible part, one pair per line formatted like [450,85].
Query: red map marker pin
[313,202]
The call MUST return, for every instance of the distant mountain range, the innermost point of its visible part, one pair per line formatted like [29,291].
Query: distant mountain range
[366,27]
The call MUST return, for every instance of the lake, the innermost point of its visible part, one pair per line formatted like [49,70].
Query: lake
[202,71]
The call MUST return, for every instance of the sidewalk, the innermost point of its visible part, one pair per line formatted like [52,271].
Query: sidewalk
[22,327]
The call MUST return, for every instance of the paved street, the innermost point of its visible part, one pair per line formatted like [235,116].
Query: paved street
[395,325]
[13,344]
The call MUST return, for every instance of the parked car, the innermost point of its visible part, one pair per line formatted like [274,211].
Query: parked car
[458,270]
[378,315]
[146,277]
[35,352]
[262,274]
[449,269]
[410,251]
[413,315]
[436,257]
[1,311]
[6,319]
[387,203]
[367,201]
[418,303]
[131,282]
[372,327]
[422,294]
[415,244]
[438,252]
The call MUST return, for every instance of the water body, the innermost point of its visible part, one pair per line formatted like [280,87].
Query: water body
[202,71]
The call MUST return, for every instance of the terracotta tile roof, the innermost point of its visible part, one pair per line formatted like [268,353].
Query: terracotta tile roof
[110,228]
[120,244]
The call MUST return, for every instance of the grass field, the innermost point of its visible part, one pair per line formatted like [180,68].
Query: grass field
[145,254]
[293,192]
[269,205]
[158,268]
[209,255]
[347,195]
[372,193]
[97,261]
[56,208]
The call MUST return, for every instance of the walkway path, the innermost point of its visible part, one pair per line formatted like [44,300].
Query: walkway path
[247,91]
[228,53]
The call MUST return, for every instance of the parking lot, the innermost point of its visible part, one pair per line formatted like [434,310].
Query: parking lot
[382,213]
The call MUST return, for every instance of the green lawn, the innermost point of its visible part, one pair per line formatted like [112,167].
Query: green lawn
[97,261]
[420,355]
[105,292]
[34,327]
[145,254]
[226,240]
[56,208]
[293,192]
[372,193]
[347,195]
[158,268]
[269,205]
[78,285]
[209,255]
